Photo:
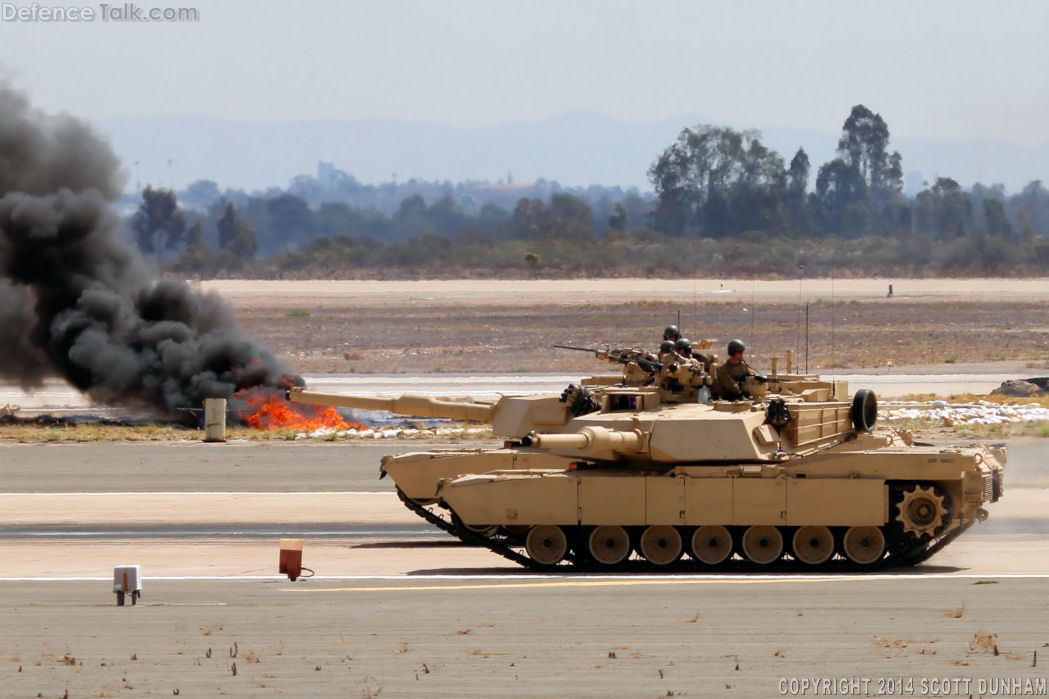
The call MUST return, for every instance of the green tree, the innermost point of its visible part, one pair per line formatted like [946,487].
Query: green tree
[290,220]
[798,216]
[840,199]
[201,194]
[716,181]
[235,235]
[564,218]
[861,189]
[158,223]
[995,221]
[410,219]
[943,210]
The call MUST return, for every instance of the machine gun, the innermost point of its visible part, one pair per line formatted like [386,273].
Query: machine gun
[622,356]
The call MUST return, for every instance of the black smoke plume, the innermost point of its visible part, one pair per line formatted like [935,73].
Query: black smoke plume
[78,302]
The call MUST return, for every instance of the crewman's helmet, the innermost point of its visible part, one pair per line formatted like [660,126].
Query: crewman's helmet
[683,347]
[666,346]
[672,333]
[735,347]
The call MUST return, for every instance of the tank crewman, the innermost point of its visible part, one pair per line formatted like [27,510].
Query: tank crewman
[731,373]
[672,333]
[683,347]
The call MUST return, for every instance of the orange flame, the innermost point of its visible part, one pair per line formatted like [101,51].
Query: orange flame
[271,411]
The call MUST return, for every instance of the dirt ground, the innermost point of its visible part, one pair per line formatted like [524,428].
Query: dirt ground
[511,326]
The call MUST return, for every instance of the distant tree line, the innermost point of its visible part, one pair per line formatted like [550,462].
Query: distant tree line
[723,203]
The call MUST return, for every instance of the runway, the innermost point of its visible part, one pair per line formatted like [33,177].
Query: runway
[397,609]
[703,638]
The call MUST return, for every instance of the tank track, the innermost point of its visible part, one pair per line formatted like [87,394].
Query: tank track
[499,545]
[898,554]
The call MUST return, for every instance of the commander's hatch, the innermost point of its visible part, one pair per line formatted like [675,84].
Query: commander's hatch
[614,400]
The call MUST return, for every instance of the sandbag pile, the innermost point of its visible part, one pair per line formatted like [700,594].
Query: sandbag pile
[978,413]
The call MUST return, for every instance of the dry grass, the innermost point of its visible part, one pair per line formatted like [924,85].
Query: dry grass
[375,336]
[883,642]
[1042,401]
[984,642]
[96,433]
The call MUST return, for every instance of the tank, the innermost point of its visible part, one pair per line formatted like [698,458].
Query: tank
[642,470]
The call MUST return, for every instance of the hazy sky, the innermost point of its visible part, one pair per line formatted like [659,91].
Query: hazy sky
[932,69]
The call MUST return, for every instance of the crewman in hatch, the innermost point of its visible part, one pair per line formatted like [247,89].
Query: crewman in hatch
[732,372]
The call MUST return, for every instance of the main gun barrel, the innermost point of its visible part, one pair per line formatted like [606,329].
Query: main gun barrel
[406,404]
[595,439]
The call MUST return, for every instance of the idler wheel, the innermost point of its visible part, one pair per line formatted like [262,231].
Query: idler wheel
[661,545]
[762,544]
[546,544]
[813,545]
[863,545]
[711,544]
[609,544]
[922,511]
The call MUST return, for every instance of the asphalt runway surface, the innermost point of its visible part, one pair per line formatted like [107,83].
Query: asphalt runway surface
[398,609]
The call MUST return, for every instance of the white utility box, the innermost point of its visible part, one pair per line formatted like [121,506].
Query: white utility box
[127,580]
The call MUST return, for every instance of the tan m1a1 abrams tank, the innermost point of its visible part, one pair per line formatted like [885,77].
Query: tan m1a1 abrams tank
[642,475]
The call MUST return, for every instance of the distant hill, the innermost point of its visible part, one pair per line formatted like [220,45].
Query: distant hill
[577,148]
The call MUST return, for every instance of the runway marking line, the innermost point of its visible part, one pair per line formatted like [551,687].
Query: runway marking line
[576,583]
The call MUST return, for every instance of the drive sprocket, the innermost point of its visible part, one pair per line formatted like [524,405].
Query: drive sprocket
[922,511]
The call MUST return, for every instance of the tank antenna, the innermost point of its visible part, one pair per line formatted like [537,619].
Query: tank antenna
[753,310]
[832,345]
[797,323]
[806,338]
[695,302]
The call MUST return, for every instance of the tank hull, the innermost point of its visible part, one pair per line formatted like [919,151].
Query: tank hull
[845,510]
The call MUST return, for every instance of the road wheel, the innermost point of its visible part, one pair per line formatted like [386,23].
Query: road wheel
[711,544]
[863,545]
[762,544]
[547,545]
[813,545]
[661,545]
[609,545]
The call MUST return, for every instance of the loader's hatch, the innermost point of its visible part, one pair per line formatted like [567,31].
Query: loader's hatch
[629,400]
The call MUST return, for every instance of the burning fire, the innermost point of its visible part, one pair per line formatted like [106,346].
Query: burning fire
[270,410]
